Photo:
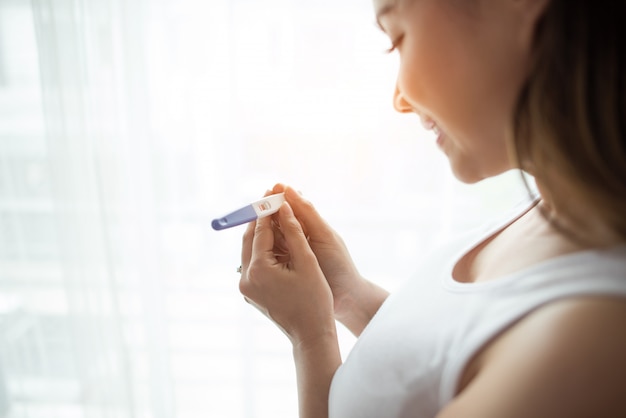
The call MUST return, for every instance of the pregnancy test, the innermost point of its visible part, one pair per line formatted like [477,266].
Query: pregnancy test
[259,209]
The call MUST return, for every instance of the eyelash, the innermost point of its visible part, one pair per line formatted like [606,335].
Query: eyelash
[394,44]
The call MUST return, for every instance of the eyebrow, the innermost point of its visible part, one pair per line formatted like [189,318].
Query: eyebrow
[383,11]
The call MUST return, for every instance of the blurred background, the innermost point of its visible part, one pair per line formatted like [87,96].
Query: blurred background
[125,127]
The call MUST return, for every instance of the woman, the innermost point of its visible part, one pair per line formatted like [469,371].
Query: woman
[526,319]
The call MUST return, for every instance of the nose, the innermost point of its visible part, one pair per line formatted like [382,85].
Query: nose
[399,104]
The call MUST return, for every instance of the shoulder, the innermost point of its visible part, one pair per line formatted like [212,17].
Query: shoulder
[564,359]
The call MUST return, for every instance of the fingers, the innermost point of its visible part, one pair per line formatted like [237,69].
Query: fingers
[295,238]
[248,238]
[257,256]
[283,238]
[278,188]
[313,224]
[246,247]
[263,241]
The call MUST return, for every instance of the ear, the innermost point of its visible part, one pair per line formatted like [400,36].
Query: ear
[529,13]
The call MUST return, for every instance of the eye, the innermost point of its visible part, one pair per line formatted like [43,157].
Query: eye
[395,44]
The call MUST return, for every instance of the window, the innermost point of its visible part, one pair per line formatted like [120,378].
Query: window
[125,127]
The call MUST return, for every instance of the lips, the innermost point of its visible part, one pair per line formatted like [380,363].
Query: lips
[430,125]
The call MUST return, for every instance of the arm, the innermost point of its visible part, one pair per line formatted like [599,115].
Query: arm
[316,363]
[356,299]
[565,360]
[357,307]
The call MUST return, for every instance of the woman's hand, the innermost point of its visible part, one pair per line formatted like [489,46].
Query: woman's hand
[356,300]
[282,278]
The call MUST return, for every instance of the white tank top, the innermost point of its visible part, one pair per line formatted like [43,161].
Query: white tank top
[410,357]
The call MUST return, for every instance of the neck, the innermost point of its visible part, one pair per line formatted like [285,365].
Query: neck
[574,217]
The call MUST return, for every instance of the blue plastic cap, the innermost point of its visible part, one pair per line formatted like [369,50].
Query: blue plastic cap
[238,217]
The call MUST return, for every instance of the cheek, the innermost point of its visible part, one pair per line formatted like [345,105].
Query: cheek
[435,77]
[448,72]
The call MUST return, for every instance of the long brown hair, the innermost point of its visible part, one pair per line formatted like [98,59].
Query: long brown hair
[571,113]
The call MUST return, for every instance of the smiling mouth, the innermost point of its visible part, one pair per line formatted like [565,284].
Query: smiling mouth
[430,125]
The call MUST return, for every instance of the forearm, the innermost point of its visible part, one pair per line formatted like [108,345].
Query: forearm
[359,306]
[316,363]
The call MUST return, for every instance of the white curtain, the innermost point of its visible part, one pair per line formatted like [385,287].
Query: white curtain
[125,127]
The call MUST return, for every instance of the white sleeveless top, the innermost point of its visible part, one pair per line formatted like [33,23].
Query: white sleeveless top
[410,357]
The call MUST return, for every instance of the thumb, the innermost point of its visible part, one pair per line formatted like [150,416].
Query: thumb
[312,223]
[295,238]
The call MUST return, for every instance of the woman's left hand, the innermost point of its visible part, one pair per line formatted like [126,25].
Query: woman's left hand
[284,280]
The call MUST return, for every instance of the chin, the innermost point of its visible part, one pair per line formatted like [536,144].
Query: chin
[469,175]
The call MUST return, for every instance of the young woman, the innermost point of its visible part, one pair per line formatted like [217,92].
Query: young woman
[526,319]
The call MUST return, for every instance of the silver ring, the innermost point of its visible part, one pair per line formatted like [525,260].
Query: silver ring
[239,269]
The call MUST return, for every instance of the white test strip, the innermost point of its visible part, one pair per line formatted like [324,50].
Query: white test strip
[259,209]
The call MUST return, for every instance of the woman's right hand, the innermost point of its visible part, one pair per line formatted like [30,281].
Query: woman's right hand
[356,300]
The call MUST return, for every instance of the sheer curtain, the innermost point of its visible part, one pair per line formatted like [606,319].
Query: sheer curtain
[125,127]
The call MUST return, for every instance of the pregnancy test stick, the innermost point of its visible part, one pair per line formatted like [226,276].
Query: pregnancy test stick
[259,209]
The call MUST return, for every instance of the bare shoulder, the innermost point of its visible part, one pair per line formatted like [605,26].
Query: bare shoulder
[565,359]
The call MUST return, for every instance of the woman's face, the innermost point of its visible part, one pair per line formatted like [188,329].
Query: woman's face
[462,64]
